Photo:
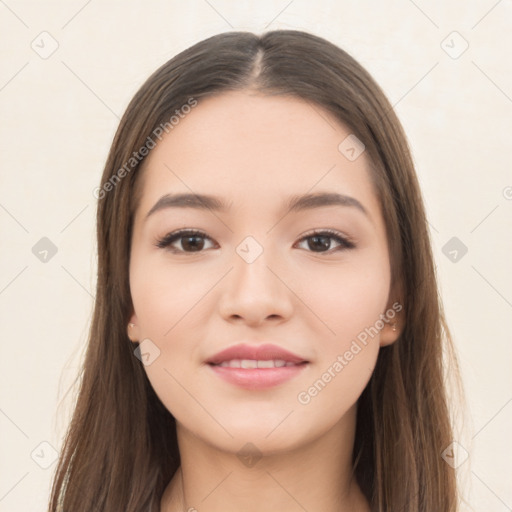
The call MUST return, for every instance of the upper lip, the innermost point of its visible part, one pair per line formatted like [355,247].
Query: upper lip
[262,352]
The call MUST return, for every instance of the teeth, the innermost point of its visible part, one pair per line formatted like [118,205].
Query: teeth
[248,363]
[251,363]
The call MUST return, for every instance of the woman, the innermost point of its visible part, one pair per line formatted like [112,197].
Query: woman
[267,332]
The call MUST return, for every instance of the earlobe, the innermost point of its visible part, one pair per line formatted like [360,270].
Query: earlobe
[132,329]
[390,333]
[393,323]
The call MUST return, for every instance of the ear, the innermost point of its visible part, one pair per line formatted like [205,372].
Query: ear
[393,318]
[133,329]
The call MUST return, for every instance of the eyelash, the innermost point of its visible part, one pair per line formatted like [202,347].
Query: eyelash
[165,242]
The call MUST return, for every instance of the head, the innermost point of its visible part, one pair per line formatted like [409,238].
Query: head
[258,121]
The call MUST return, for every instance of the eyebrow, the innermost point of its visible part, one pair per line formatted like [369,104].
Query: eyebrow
[295,203]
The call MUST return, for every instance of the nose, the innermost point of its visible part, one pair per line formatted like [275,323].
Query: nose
[255,292]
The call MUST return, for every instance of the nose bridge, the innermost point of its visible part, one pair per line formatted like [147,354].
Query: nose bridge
[251,263]
[252,290]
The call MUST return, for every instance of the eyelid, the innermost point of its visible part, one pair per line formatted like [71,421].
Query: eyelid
[165,241]
[344,241]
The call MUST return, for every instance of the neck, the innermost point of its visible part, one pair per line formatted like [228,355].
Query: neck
[315,476]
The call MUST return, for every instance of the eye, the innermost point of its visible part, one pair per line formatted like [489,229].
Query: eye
[321,241]
[189,240]
[194,241]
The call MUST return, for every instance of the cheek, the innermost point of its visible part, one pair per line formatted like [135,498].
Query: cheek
[337,386]
[346,298]
[170,304]
[167,302]
[349,301]
[164,296]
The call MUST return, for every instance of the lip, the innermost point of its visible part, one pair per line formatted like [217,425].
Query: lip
[257,378]
[262,352]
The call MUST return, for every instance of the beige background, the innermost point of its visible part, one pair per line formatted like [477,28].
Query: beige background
[60,110]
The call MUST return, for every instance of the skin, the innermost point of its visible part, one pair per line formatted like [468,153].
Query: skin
[255,151]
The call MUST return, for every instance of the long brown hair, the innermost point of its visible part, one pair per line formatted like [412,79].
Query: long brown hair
[120,450]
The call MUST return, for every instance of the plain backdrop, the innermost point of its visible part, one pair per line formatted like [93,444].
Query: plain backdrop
[68,70]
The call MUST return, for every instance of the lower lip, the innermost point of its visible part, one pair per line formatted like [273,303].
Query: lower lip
[257,378]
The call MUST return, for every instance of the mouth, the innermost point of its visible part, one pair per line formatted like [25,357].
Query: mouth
[249,364]
[260,355]
[256,366]
[257,374]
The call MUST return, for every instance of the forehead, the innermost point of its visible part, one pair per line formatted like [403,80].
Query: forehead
[255,149]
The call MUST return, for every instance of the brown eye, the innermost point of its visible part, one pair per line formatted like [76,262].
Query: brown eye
[184,241]
[322,241]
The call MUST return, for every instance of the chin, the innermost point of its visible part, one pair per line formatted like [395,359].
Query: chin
[255,442]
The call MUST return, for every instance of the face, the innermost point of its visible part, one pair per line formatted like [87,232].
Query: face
[247,269]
